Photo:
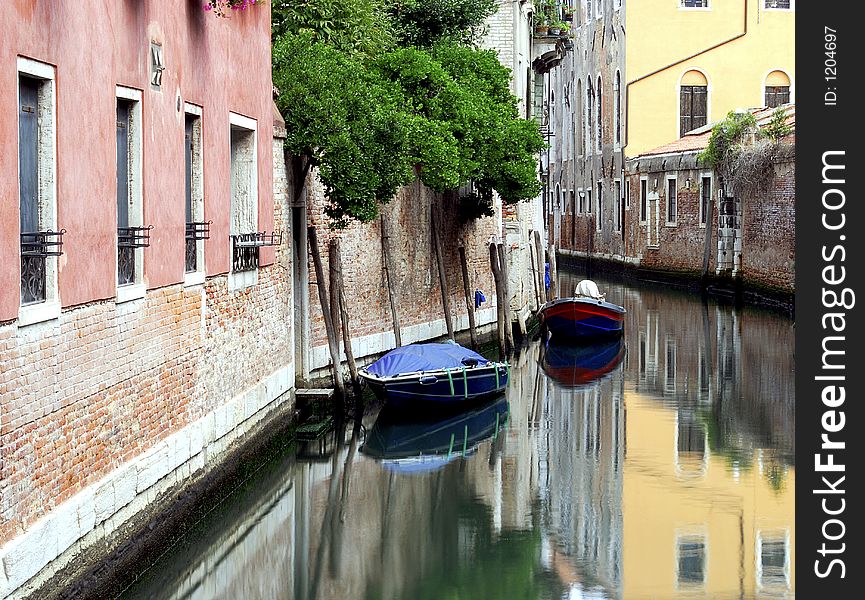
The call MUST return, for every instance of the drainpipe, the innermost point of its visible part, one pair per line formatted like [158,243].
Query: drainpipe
[678,62]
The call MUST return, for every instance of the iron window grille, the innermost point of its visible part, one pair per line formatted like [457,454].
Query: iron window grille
[777,3]
[776,95]
[198,230]
[245,248]
[128,240]
[694,3]
[36,247]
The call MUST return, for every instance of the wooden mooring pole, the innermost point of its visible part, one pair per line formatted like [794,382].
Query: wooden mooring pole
[470,302]
[534,268]
[386,265]
[500,308]
[443,282]
[539,253]
[554,282]
[503,273]
[332,344]
[336,266]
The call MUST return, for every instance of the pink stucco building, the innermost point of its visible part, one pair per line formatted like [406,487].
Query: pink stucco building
[141,134]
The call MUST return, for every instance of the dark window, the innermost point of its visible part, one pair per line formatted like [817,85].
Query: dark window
[692,107]
[125,252]
[691,437]
[695,3]
[776,95]
[589,201]
[618,108]
[600,116]
[191,239]
[590,101]
[617,190]
[705,199]
[777,4]
[773,562]
[32,267]
[644,184]
[691,558]
[671,200]
[599,217]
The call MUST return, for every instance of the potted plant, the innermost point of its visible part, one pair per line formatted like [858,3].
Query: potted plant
[565,29]
[541,24]
[556,27]
[567,13]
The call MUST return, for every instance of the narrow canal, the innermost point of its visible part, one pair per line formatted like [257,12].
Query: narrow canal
[661,467]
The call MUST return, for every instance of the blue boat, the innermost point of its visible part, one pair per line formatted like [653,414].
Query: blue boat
[443,373]
[407,444]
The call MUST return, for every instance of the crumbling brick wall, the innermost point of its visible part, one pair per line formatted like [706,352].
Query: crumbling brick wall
[414,272]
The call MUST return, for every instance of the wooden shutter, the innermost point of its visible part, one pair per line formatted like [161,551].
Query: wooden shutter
[122,163]
[28,153]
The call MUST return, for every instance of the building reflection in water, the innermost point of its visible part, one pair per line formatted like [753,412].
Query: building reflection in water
[668,475]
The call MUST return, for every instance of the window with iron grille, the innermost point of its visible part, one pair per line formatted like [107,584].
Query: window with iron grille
[694,3]
[781,4]
[776,95]
[197,229]
[692,107]
[40,240]
[617,195]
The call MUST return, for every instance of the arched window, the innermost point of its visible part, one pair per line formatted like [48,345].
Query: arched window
[777,89]
[693,101]
[617,107]
[600,116]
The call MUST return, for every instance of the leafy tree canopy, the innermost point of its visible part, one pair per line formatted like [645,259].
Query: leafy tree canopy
[423,23]
[367,114]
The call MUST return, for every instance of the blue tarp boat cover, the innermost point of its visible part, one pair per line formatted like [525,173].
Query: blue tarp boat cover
[424,357]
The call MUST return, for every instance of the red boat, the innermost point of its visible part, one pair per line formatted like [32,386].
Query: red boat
[587,315]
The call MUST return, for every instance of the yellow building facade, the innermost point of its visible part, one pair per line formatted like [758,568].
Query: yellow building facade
[736,49]
[696,526]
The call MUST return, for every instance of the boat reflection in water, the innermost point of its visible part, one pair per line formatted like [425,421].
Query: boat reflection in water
[411,442]
[572,364]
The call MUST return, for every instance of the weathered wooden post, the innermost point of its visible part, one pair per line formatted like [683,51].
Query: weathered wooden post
[534,269]
[500,309]
[343,315]
[503,274]
[539,253]
[707,241]
[386,264]
[333,284]
[470,303]
[443,282]
[554,282]
[325,311]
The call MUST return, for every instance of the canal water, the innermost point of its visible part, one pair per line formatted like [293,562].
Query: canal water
[657,467]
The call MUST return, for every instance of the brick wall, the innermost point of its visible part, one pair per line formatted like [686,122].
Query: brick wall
[760,227]
[96,395]
[414,273]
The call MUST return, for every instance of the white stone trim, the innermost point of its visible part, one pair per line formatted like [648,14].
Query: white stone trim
[102,507]
[133,291]
[47,194]
[38,313]
[194,278]
[127,93]
[242,121]
[667,180]
[242,280]
[192,109]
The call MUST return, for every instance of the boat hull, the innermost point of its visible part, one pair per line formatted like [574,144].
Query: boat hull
[445,386]
[580,318]
[573,365]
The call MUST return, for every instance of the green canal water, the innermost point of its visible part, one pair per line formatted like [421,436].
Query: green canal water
[660,468]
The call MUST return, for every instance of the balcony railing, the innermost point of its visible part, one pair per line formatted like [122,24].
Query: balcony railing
[198,230]
[245,248]
[36,247]
[128,240]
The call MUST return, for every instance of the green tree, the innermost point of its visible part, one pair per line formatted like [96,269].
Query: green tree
[423,23]
[342,118]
